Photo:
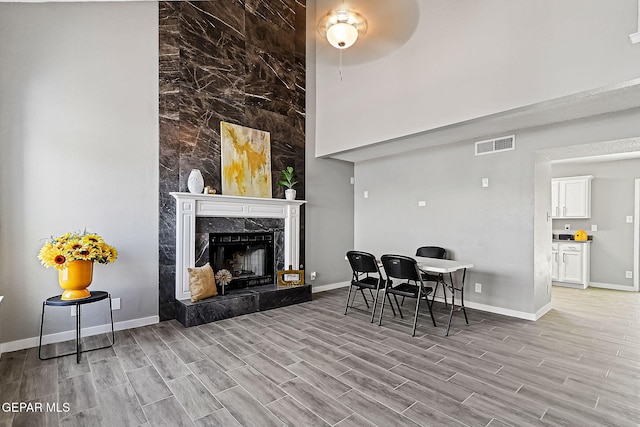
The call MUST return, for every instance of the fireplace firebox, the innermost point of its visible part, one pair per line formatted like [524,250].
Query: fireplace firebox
[247,256]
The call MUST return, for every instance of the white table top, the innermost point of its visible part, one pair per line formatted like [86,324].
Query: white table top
[436,265]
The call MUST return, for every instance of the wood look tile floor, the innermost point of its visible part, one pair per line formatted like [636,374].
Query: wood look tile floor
[310,365]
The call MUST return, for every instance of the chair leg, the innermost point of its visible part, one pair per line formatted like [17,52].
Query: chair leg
[415,316]
[375,304]
[399,311]
[386,295]
[391,303]
[364,297]
[444,291]
[348,298]
[431,312]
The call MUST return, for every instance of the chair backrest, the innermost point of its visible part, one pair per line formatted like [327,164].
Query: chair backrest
[401,267]
[362,262]
[432,252]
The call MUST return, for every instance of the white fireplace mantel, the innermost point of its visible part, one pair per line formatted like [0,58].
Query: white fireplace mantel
[189,206]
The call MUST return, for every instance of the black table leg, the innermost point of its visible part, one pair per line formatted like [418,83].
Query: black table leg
[464,274]
[56,301]
[453,299]
[78,329]
[453,305]
[41,326]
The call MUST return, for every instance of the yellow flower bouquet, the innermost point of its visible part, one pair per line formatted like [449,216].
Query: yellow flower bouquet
[62,250]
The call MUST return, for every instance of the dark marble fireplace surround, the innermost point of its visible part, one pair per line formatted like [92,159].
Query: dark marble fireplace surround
[240,61]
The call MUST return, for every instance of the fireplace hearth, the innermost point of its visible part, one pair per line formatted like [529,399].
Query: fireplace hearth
[246,210]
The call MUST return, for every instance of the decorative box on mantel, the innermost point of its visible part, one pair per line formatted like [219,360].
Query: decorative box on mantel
[189,206]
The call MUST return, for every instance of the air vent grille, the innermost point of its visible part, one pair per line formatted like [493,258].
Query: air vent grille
[496,145]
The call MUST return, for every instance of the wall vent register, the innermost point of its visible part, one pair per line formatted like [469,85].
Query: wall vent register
[496,145]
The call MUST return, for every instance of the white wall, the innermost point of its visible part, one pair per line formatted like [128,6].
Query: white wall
[79,148]
[502,229]
[468,59]
[329,193]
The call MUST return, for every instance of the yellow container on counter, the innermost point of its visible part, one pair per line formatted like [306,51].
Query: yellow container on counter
[580,236]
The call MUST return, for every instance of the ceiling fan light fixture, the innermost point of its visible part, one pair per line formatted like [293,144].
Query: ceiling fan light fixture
[342,35]
[342,28]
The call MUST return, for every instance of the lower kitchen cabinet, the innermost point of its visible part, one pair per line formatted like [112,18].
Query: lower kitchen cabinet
[571,264]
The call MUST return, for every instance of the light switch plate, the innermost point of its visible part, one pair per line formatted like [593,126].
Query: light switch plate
[485,182]
[422,203]
[366,194]
[594,227]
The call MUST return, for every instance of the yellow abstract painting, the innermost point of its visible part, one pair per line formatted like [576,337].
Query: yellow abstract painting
[246,161]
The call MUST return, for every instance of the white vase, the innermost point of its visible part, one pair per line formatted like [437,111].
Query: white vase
[195,183]
[290,194]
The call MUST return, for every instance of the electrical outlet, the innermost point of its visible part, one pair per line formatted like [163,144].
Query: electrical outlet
[629,219]
[594,227]
[422,203]
[313,275]
[628,274]
[353,180]
[485,182]
[366,194]
[548,288]
[478,288]
[567,227]
[115,304]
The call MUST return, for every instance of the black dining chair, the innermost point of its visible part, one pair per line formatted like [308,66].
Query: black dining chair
[366,275]
[439,253]
[405,269]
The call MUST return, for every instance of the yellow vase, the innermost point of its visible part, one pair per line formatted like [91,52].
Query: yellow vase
[75,279]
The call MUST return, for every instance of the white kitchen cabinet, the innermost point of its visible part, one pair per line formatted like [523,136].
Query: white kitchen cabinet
[571,197]
[571,264]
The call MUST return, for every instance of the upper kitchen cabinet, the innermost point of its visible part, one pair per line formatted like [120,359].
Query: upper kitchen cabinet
[571,197]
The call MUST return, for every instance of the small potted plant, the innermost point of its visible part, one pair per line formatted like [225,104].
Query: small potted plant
[287,180]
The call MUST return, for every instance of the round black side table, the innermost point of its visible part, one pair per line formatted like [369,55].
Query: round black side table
[57,301]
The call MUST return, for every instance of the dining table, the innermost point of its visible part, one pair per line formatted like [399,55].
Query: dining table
[448,266]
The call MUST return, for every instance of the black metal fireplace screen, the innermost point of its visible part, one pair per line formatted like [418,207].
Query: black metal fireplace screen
[247,256]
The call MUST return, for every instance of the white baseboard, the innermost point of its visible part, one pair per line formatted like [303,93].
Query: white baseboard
[507,311]
[499,310]
[71,335]
[611,286]
[544,310]
[474,305]
[570,285]
[323,288]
